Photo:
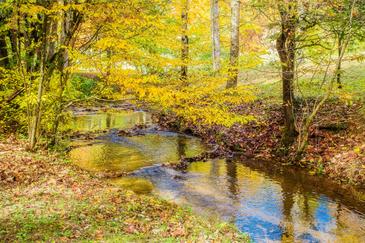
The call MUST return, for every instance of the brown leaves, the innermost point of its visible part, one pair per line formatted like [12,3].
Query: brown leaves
[50,200]
[338,128]
[258,138]
[19,170]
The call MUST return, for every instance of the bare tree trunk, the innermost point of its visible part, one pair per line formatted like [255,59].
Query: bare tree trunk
[235,44]
[63,25]
[285,45]
[184,40]
[216,52]
[4,52]
[109,54]
[4,55]
[34,130]
[14,47]
[339,48]
[59,106]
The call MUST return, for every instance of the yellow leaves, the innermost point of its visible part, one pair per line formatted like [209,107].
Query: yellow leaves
[32,9]
[357,150]
[139,37]
[204,100]
[212,115]
[114,43]
[346,96]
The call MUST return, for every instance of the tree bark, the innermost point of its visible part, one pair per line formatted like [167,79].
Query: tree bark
[4,55]
[34,131]
[304,130]
[184,40]
[14,47]
[339,48]
[4,52]
[285,45]
[235,44]
[216,52]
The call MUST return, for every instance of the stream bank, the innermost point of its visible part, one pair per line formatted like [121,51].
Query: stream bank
[268,201]
[45,198]
[336,147]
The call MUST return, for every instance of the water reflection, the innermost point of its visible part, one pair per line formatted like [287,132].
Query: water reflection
[271,204]
[138,185]
[130,153]
[108,120]
[269,207]
[181,146]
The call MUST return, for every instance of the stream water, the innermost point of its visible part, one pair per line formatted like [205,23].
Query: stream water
[271,204]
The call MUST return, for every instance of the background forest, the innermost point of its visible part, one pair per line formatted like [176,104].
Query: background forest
[252,110]
[263,72]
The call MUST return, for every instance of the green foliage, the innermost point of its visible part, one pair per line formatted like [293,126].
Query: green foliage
[83,86]
[13,116]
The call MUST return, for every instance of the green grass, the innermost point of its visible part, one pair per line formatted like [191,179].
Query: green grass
[269,86]
[90,220]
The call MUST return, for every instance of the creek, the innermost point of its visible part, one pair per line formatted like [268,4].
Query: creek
[270,203]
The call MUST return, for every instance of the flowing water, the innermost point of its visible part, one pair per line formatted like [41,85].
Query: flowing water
[271,204]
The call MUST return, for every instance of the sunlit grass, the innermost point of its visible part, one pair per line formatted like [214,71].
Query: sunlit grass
[353,85]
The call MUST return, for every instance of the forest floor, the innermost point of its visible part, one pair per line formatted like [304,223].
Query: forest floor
[43,197]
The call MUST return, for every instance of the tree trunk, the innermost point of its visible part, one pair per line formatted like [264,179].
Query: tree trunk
[14,47]
[285,45]
[59,106]
[235,44]
[4,55]
[304,131]
[61,28]
[339,48]
[216,52]
[184,40]
[34,130]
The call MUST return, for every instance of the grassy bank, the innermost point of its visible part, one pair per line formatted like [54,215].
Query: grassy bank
[45,198]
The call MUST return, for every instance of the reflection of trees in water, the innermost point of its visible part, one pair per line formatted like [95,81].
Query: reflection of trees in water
[232,180]
[288,192]
[308,215]
[306,208]
[108,155]
[214,169]
[108,120]
[312,196]
[181,146]
[100,123]
[141,118]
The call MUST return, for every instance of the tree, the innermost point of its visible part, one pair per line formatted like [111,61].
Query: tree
[330,79]
[184,40]
[286,48]
[336,22]
[38,49]
[4,56]
[216,52]
[235,44]
[4,32]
